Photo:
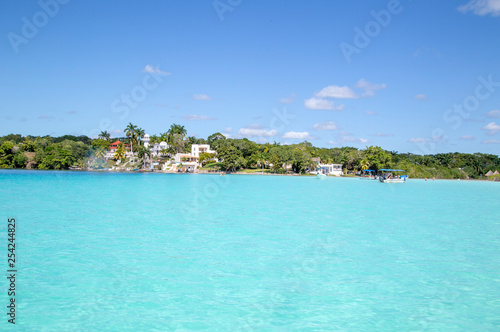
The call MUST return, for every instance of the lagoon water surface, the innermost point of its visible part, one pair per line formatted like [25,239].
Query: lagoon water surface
[119,252]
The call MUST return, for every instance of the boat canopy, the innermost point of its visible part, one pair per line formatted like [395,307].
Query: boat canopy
[392,170]
[368,170]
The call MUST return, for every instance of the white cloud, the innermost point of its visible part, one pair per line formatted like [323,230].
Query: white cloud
[228,130]
[318,101]
[334,91]
[327,125]
[418,140]
[482,7]
[256,132]
[382,135]
[491,141]
[370,113]
[260,140]
[421,97]
[154,70]
[297,135]
[194,117]
[288,100]
[467,138]
[322,104]
[352,139]
[494,114]
[369,87]
[201,97]
[492,127]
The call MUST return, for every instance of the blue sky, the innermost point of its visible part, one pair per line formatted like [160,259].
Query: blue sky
[412,76]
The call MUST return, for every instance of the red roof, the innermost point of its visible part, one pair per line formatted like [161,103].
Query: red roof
[115,144]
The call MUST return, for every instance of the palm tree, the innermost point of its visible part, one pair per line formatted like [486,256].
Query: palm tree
[178,129]
[120,152]
[105,135]
[144,153]
[164,152]
[175,137]
[130,131]
[171,151]
[364,164]
[140,134]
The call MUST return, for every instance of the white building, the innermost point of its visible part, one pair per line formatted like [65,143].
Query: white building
[145,139]
[189,161]
[330,169]
[196,149]
[157,147]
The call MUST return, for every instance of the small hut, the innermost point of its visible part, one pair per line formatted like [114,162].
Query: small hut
[490,173]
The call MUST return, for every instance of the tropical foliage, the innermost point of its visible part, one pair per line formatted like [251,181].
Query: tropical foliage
[17,151]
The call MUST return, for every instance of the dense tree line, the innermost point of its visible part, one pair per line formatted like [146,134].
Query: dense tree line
[17,151]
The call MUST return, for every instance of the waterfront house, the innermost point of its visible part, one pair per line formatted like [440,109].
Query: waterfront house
[112,149]
[330,169]
[190,161]
[197,149]
[156,148]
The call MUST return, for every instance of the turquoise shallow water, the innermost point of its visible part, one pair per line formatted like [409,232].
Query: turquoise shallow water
[123,252]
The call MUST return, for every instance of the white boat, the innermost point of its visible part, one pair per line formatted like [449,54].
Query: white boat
[388,176]
[392,180]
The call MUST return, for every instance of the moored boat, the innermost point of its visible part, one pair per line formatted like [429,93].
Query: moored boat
[390,176]
[368,174]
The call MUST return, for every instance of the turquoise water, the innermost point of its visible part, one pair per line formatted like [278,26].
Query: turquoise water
[138,252]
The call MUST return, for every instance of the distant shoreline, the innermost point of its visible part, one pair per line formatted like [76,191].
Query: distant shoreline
[214,173]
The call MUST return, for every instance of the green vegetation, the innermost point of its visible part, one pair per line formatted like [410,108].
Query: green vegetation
[17,151]
[120,152]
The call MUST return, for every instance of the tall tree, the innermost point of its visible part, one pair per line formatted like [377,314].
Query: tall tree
[105,135]
[177,129]
[140,134]
[189,142]
[144,153]
[131,131]
[175,137]
[215,137]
